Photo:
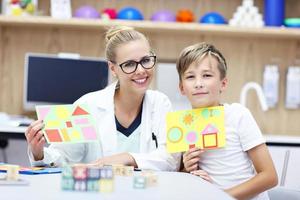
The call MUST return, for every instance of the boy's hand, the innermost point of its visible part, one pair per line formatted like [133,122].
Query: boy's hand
[191,159]
[35,139]
[203,174]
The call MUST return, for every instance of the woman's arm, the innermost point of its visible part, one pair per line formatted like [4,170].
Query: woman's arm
[121,158]
[265,178]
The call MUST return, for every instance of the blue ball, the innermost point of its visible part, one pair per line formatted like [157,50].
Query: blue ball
[130,13]
[212,18]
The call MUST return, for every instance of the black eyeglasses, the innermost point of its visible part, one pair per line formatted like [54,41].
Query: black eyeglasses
[130,66]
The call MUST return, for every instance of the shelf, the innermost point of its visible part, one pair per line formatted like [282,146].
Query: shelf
[169,27]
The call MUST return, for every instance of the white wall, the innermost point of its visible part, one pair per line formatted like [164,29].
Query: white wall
[167,81]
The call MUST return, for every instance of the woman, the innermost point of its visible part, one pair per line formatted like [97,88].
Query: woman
[130,118]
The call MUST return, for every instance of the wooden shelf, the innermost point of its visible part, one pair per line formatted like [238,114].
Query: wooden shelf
[169,27]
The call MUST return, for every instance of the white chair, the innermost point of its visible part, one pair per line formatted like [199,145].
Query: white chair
[283,193]
[279,156]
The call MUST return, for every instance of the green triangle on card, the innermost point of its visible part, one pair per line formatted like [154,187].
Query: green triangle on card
[79,111]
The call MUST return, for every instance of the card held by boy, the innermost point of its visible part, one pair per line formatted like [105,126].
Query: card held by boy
[202,128]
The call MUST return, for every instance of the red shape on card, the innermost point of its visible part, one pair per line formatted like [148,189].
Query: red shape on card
[79,111]
[53,135]
[69,124]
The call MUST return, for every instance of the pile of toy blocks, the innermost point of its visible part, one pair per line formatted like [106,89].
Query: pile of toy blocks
[85,178]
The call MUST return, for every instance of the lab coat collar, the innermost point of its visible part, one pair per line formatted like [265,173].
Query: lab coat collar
[107,94]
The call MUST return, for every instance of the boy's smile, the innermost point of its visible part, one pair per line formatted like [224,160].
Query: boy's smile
[201,83]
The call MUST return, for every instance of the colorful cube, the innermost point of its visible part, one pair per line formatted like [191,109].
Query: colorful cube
[67,183]
[12,173]
[80,185]
[139,182]
[67,172]
[106,173]
[106,185]
[93,185]
[93,173]
[80,172]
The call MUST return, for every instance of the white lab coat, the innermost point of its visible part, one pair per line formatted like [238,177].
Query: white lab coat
[101,103]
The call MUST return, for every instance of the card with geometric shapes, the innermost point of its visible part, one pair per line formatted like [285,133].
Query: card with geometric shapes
[203,128]
[67,123]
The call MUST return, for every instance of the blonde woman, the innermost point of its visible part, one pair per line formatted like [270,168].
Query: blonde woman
[130,117]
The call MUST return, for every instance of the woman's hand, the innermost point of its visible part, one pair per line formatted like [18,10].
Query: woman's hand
[203,174]
[117,159]
[96,163]
[191,159]
[35,139]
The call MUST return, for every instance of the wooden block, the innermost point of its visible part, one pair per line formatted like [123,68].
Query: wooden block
[93,173]
[139,182]
[67,171]
[67,183]
[122,170]
[12,173]
[79,172]
[93,185]
[106,173]
[106,185]
[151,180]
[118,169]
[80,185]
[128,170]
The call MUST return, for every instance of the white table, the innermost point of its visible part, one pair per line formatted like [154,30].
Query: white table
[171,185]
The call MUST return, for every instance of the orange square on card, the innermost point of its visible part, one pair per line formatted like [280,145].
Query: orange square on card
[53,135]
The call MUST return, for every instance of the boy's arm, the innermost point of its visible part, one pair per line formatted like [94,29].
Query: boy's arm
[265,178]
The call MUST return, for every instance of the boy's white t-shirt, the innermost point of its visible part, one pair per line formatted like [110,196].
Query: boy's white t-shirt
[231,165]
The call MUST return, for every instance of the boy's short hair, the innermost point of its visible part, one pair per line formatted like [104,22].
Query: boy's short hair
[197,52]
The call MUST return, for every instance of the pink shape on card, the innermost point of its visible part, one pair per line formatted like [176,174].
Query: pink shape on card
[210,129]
[89,133]
[82,121]
[43,111]
[191,137]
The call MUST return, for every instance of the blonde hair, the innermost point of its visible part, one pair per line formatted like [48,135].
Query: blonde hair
[118,35]
[197,52]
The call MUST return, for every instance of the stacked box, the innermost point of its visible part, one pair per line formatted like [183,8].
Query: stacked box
[85,178]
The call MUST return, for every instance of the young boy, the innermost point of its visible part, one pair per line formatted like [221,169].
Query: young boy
[243,168]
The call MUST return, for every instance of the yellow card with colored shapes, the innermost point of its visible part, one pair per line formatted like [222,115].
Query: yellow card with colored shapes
[68,123]
[203,128]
